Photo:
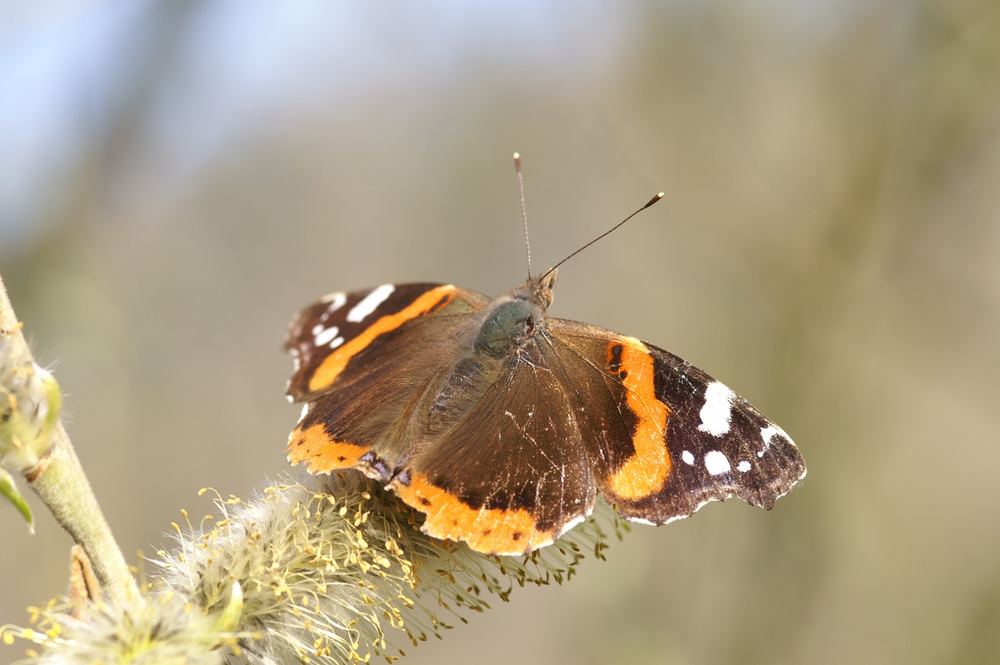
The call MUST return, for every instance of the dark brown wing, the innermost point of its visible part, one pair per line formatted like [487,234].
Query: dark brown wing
[362,360]
[665,437]
[342,332]
[512,474]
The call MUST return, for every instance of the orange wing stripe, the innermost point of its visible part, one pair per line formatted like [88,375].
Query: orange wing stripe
[645,473]
[321,453]
[486,530]
[335,363]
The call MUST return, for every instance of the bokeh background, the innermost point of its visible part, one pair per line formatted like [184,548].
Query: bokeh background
[177,178]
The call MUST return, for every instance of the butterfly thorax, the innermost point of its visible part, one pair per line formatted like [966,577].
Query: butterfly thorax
[509,323]
[505,327]
[511,320]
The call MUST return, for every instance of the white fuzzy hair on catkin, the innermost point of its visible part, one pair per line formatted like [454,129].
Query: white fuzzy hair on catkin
[329,570]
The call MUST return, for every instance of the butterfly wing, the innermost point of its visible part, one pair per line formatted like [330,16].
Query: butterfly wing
[665,437]
[512,474]
[362,360]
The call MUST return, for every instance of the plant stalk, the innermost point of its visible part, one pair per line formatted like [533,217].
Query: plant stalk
[60,482]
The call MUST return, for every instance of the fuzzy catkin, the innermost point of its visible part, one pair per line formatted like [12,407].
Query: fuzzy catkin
[328,568]
[335,570]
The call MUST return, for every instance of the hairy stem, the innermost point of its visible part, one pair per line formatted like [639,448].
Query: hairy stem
[58,479]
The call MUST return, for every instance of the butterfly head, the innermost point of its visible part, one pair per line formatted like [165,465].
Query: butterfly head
[539,289]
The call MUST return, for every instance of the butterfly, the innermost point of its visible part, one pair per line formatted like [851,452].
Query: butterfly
[502,425]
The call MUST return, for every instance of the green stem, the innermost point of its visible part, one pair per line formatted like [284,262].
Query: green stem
[9,491]
[59,481]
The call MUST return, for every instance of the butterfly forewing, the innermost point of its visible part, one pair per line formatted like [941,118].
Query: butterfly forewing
[358,373]
[330,339]
[681,438]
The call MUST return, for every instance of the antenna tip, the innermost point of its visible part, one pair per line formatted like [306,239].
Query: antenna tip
[517,156]
[653,200]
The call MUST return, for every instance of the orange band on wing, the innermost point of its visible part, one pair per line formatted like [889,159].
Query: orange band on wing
[646,471]
[335,363]
[321,453]
[486,530]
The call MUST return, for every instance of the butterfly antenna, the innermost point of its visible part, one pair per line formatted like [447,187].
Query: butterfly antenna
[524,209]
[648,204]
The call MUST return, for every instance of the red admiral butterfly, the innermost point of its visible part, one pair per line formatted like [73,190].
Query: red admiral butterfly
[502,425]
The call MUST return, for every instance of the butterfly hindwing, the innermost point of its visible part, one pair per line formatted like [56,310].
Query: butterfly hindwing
[680,439]
[511,474]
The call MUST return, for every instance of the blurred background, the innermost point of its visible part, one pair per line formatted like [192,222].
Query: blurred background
[178,178]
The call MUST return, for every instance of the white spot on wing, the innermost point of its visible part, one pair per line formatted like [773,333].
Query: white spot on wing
[743,466]
[337,342]
[370,303]
[767,433]
[717,411]
[336,300]
[305,412]
[326,335]
[716,462]
[688,457]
